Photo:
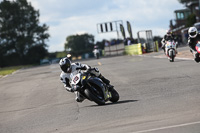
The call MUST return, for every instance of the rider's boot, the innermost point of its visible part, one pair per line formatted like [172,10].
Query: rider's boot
[163,48]
[106,81]
[197,58]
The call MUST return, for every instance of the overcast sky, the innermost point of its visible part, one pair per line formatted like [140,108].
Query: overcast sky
[70,17]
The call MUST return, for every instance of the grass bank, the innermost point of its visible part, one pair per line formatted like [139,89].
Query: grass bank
[9,70]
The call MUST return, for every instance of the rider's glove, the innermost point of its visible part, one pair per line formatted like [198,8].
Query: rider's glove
[81,68]
[94,69]
[75,88]
[89,68]
[84,68]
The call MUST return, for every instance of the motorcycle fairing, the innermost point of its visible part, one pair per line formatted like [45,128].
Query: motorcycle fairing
[100,84]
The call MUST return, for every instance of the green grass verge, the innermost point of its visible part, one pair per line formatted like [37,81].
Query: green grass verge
[9,70]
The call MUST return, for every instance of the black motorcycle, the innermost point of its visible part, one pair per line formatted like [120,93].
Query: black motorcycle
[94,89]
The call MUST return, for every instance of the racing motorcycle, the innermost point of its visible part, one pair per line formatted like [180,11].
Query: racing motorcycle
[96,53]
[93,88]
[170,50]
[197,47]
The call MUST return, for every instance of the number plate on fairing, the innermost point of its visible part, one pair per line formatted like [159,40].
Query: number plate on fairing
[76,79]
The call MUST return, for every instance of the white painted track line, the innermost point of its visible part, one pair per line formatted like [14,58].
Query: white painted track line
[167,127]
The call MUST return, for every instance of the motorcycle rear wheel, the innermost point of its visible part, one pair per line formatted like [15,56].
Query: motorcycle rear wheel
[115,96]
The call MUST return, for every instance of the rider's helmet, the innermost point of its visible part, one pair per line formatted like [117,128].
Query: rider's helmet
[95,47]
[168,32]
[69,55]
[65,65]
[192,32]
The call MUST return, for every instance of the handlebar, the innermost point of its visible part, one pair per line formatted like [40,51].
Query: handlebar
[81,68]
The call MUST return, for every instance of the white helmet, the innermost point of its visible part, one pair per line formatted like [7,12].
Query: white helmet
[192,32]
[169,32]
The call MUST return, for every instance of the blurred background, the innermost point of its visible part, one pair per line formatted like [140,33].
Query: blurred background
[42,32]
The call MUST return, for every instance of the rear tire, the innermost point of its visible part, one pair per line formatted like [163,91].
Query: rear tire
[115,96]
[93,97]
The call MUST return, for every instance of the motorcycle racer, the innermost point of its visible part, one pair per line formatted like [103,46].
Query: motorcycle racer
[96,51]
[168,36]
[68,68]
[193,38]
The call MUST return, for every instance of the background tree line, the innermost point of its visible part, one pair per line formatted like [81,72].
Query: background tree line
[79,44]
[187,1]
[22,38]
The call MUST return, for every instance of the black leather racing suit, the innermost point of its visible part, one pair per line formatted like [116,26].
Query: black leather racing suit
[192,43]
[167,38]
[67,77]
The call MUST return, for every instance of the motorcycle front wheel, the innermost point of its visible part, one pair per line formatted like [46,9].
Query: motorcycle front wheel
[97,55]
[171,56]
[94,97]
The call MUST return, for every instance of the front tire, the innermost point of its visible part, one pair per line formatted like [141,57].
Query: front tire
[171,56]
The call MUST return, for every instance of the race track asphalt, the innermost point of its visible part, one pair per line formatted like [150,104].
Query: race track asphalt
[156,96]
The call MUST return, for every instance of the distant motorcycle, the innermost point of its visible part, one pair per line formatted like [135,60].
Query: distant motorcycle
[69,56]
[96,53]
[197,47]
[93,88]
[170,50]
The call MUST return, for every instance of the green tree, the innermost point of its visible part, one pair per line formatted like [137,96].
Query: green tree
[35,53]
[191,19]
[187,1]
[101,44]
[80,44]
[20,30]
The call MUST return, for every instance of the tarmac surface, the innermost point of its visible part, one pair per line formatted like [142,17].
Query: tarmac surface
[156,96]
[183,53]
